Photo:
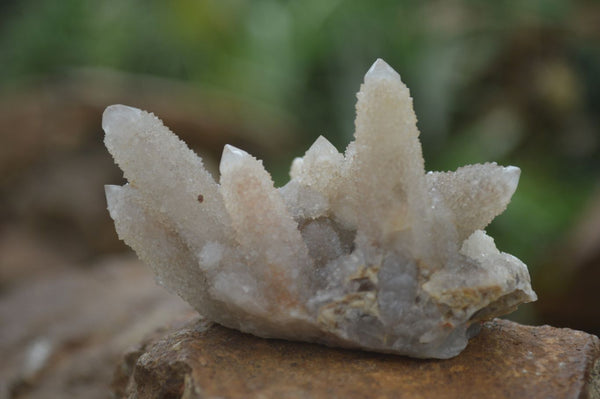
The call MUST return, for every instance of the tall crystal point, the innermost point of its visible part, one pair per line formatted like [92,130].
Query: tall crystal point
[360,250]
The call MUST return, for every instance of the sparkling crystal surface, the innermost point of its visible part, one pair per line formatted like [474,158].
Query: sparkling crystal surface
[362,249]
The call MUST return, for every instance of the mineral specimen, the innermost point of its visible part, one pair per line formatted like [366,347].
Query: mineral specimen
[360,250]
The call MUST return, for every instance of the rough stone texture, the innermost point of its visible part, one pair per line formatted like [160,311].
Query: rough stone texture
[507,360]
[62,331]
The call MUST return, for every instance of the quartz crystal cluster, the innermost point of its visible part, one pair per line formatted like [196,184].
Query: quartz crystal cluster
[361,249]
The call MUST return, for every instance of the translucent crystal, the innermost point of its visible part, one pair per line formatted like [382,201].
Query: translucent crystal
[361,250]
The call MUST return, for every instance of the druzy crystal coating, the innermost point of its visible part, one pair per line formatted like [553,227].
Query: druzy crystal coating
[361,249]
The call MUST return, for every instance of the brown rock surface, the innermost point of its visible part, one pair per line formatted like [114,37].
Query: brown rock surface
[62,331]
[506,360]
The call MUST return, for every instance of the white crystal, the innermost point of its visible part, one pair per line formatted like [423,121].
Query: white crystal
[361,249]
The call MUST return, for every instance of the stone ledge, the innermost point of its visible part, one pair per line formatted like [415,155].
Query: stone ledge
[506,360]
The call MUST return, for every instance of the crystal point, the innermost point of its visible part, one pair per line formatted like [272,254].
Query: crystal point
[116,116]
[359,250]
[232,157]
[381,70]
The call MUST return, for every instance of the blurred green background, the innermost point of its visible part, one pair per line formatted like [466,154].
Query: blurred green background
[516,82]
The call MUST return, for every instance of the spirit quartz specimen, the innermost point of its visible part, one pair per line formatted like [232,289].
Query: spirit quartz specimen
[359,250]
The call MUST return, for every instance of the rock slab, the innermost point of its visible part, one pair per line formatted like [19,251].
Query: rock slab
[506,360]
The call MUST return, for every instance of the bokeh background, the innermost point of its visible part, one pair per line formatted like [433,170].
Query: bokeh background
[516,82]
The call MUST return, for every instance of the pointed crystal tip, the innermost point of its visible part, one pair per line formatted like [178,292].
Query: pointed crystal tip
[115,115]
[512,174]
[231,157]
[381,70]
